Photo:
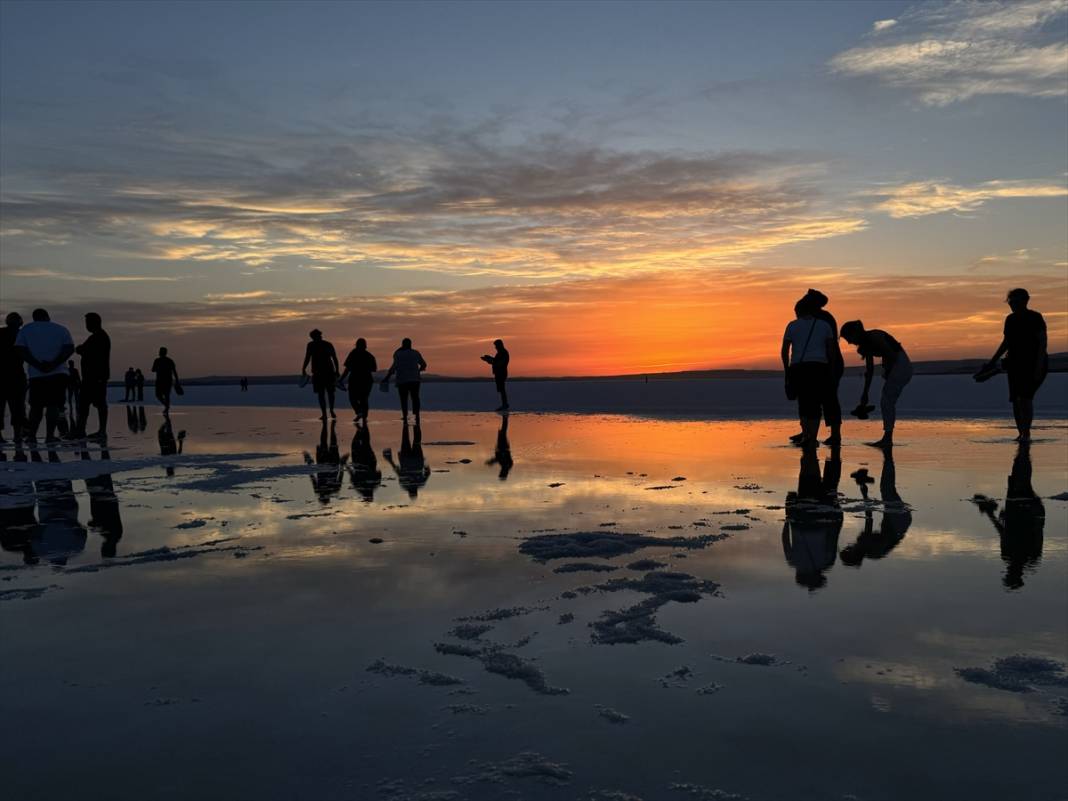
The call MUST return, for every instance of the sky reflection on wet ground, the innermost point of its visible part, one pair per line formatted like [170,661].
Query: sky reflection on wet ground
[201,622]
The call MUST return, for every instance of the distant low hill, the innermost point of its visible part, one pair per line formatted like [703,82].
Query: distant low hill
[1058,363]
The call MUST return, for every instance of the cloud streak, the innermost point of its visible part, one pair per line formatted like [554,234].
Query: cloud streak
[948,53]
[920,198]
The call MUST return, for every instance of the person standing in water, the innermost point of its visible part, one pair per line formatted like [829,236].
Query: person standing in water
[129,382]
[322,357]
[806,355]
[96,370]
[1026,343]
[12,378]
[360,367]
[897,371]
[166,379]
[832,409]
[499,362]
[45,346]
[139,384]
[408,365]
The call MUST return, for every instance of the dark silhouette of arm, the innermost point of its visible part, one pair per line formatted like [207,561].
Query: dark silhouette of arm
[333,360]
[869,371]
[24,353]
[307,359]
[422,363]
[785,353]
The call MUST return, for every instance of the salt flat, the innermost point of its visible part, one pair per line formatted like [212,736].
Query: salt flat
[572,606]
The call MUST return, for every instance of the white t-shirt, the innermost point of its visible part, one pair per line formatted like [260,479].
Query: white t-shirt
[797,332]
[406,364]
[44,340]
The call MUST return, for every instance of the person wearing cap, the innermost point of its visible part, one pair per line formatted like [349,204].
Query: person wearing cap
[1026,343]
[322,357]
[499,362]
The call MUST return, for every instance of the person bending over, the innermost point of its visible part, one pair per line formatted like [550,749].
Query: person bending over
[897,371]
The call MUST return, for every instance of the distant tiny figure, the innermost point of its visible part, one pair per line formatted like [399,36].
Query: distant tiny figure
[408,365]
[897,372]
[244,385]
[832,409]
[807,350]
[360,368]
[129,382]
[411,468]
[502,453]
[1027,363]
[499,362]
[166,379]
[139,384]
[45,346]
[12,378]
[74,387]
[96,371]
[322,357]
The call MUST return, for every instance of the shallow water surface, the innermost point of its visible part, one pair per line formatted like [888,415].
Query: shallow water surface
[244,603]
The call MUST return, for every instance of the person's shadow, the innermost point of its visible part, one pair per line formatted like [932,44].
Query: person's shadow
[104,516]
[502,453]
[897,517]
[363,465]
[326,482]
[18,523]
[169,444]
[59,535]
[813,520]
[1020,524]
[411,467]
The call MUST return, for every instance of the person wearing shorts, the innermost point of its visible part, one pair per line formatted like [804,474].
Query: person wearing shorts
[408,365]
[45,346]
[360,367]
[1026,342]
[322,357]
[166,378]
[807,348]
[96,370]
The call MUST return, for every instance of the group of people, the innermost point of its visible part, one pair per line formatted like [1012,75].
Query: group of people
[36,365]
[813,363]
[360,366]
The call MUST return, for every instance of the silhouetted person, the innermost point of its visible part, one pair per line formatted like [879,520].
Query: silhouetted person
[807,350]
[104,516]
[139,384]
[360,367]
[45,347]
[244,385]
[832,408]
[408,365]
[897,371]
[1026,343]
[166,379]
[813,520]
[326,482]
[411,468]
[896,518]
[96,370]
[499,362]
[129,383]
[502,453]
[322,357]
[74,387]
[1021,523]
[12,378]
[363,466]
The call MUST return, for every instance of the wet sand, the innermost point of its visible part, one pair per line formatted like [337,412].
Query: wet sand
[574,607]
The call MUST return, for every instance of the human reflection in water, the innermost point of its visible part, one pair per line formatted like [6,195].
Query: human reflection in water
[326,482]
[1020,524]
[104,517]
[17,521]
[135,419]
[897,517]
[411,468]
[363,466]
[169,445]
[59,535]
[813,519]
[502,453]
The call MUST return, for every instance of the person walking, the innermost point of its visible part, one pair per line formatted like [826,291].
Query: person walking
[322,357]
[499,362]
[96,370]
[360,368]
[806,355]
[166,379]
[408,365]
[129,382]
[832,408]
[12,378]
[897,372]
[1026,342]
[45,346]
[139,384]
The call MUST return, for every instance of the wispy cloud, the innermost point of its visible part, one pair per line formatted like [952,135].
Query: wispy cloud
[952,52]
[95,279]
[256,294]
[921,198]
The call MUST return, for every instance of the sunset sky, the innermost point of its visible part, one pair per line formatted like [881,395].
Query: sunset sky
[611,188]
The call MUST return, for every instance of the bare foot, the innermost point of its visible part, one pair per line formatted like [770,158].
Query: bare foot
[885,442]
